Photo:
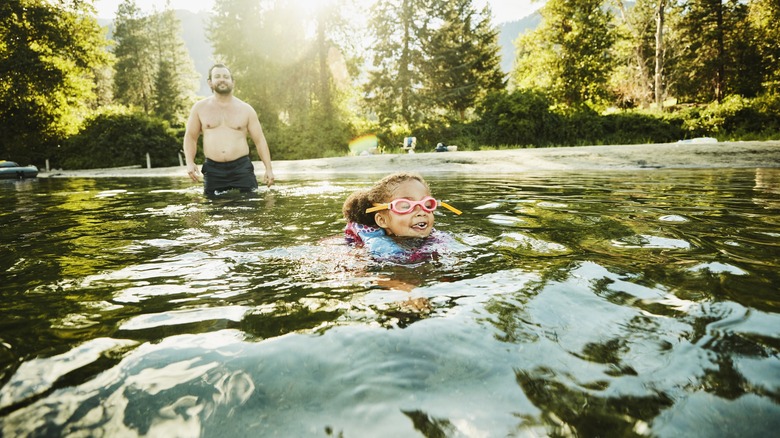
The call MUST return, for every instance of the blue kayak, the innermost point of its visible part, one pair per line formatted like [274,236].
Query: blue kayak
[11,170]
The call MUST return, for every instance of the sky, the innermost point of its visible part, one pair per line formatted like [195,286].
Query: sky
[503,10]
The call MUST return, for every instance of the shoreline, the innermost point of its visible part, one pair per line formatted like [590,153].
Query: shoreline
[692,155]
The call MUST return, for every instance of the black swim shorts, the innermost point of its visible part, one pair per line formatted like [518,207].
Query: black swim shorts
[221,177]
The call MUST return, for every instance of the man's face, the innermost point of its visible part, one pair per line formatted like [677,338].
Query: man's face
[221,82]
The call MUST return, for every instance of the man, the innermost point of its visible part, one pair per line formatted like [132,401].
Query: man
[225,121]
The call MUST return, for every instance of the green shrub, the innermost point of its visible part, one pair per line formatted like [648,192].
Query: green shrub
[521,117]
[634,127]
[115,140]
[736,118]
[313,135]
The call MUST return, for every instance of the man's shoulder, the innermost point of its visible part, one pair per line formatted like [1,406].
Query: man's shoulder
[203,102]
[240,102]
[211,101]
[243,105]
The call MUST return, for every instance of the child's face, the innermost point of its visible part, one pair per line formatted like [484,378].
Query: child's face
[417,223]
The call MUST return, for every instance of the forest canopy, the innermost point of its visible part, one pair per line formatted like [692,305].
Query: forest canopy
[322,73]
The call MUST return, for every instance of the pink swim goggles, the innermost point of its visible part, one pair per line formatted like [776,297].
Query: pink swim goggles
[405,206]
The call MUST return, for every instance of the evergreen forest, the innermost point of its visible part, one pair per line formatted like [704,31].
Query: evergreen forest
[323,73]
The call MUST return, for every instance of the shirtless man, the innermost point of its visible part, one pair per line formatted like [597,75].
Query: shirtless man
[225,121]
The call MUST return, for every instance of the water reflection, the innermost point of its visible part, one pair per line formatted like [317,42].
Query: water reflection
[576,304]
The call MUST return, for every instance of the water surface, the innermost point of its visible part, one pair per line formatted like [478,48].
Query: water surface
[615,304]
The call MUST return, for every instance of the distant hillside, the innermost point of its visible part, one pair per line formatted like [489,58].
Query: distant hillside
[508,33]
[193,27]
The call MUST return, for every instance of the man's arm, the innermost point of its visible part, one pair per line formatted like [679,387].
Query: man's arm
[191,135]
[256,133]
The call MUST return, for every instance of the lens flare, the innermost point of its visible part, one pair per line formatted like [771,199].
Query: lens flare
[363,145]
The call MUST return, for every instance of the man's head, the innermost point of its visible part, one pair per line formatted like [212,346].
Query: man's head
[220,79]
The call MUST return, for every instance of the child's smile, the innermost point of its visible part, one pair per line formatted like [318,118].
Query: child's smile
[416,223]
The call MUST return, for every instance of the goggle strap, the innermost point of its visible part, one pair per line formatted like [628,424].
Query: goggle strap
[450,208]
[378,207]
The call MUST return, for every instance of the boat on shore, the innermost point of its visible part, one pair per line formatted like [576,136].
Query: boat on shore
[12,170]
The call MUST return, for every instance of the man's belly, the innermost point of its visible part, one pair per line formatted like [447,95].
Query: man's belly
[225,152]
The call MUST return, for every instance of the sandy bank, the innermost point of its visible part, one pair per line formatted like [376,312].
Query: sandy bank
[623,157]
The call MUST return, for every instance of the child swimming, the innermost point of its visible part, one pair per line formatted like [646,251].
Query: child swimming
[394,219]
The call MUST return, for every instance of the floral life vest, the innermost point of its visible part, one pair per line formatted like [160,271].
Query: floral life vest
[384,248]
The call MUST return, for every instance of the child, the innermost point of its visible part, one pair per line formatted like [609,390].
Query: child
[394,219]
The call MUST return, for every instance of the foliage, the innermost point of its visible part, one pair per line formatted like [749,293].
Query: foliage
[634,53]
[522,117]
[764,16]
[569,55]
[717,49]
[434,75]
[296,142]
[433,61]
[300,102]
[134,78]
[153,71]
[176,79]
[526,118]
[734,118]
[114,139]
[462,64]
[50,56]
[397,28]
[704,51]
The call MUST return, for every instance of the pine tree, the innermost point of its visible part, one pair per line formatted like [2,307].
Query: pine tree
[175,77]
[463,64]
[713,32]
[398,29]
[135,66]
[154,71]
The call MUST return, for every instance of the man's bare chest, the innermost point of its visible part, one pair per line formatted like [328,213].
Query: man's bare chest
[223,118]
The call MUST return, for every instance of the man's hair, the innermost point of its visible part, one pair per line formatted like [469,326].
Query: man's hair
[219,65]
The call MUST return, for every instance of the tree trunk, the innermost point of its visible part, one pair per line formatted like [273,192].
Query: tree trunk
[721,74]
[322,49]
[659,55]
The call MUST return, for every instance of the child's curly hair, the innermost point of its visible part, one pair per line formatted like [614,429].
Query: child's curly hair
[355,206]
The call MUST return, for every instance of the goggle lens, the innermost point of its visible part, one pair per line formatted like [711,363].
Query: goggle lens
[404,206]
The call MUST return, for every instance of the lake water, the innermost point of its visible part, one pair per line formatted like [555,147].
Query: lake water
[641,303]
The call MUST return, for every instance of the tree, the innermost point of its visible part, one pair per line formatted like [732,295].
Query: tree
[659,53]
[135,66]
[284,70]
[175,78]
[154,71]
[645,50]
[569,55]
[50,54]
[462,61]
[764,16]
[397,28]
[713,33]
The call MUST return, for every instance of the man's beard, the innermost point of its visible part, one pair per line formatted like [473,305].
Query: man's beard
[222,89]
